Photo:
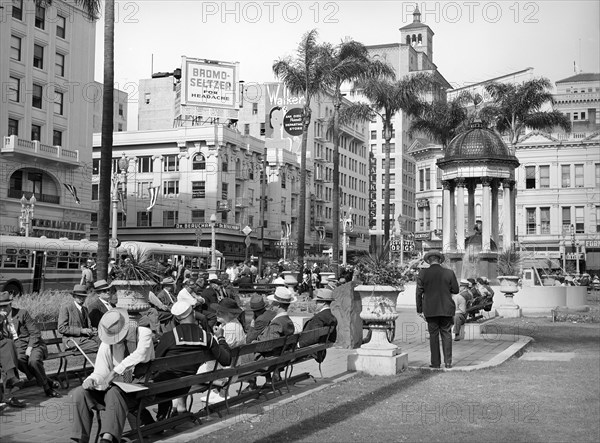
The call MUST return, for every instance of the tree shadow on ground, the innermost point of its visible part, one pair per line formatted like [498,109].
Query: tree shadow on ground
[346,410]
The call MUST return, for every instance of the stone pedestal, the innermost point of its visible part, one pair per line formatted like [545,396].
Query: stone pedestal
[378,361]
[509,309]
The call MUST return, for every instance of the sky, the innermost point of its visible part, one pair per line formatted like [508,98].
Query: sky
[474,40]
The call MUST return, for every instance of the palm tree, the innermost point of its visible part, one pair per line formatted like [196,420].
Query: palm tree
[348,62]
[440,121]
[386,98]
[304,75]
[519,106]
[92,9]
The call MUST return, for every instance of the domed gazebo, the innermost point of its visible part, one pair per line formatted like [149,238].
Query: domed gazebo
[477,156]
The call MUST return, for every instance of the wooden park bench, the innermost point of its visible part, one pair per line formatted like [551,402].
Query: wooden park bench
[56,351]
[276,355]
[259,288]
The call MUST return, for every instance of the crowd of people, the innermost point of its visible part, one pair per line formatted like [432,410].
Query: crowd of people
[202,313]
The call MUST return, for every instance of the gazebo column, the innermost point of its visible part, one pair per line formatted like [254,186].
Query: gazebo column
[460,214]
[507,235]
[447,217]
[471,185]
[452,216]
[485,215]
[495,220]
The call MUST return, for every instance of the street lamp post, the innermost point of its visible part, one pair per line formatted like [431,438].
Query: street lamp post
[346,223]
[119,177]
[27,209]
[575,245]
[213,243]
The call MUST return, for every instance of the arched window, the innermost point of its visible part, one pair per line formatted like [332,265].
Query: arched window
[198,162]
[408,39]
[420,39]
[29,181]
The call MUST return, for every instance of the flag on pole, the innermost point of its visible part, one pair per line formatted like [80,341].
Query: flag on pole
[73,190]
[153,195]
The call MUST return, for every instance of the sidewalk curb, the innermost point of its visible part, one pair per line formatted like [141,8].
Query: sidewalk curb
[266,407]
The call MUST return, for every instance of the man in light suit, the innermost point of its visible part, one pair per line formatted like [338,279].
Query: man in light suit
[435,286]
[31,349]
[74,322]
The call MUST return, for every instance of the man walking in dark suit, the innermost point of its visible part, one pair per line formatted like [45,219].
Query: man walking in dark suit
[435,286]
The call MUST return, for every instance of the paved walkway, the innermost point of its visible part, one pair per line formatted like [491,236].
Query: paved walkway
[50,420]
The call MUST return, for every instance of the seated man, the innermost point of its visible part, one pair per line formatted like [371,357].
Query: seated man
[105,300]
[74,322]
[187,336]
[460,314]
[8,358]
[31,349]
[281,325]
[122,349]
[323,318]
[163,301]
[187,294]
[261,317]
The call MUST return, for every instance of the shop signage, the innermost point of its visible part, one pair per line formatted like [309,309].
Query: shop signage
[423,203]
[423,235]
[372,191]
[292,121]
[592,243]
[208,83]
[225,226]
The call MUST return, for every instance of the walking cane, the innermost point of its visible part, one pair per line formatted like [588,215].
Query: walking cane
[80,350]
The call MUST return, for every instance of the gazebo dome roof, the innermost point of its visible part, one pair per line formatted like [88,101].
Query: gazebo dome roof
[477,143]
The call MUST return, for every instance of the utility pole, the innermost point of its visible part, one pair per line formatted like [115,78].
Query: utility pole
[263,199]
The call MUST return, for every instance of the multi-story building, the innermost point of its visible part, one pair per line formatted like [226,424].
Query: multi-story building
[197,172]
[119,110]
[47,61]
[557,182]
[413,54]
[260,99]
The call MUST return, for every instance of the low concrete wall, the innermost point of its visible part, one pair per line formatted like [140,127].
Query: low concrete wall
[533,300]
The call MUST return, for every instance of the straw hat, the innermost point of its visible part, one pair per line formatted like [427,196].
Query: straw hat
[80,290]
[167,281]
[324,294]
[113,326]
[102,285]
[279,281]
[282,295]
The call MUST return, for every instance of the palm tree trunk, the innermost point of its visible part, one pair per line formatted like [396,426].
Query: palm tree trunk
[107,139]
[302,203]
[387,131]
[336,185]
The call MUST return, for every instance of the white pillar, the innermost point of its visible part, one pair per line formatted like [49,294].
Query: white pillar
[495,220]
[452,217]
[460,214]
[447,226]
[507,235]
[485,216]
[471,185]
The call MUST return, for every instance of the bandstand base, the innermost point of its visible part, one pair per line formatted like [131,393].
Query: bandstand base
[378,361]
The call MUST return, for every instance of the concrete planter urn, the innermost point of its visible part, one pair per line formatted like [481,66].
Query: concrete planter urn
[509,286]
[133,294]
[378,310]
[325,277]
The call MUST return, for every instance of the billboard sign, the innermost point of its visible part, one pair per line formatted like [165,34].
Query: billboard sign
[209,83]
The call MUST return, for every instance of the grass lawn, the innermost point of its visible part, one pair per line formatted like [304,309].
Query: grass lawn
[530,401]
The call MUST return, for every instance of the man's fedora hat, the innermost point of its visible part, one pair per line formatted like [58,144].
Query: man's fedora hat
[434,254]
[279,281]
[227,305]
[213,278]
[324,294]
[5,298]
[465,282]
[102,285]
[282,295]
[257,302]
[113,326]
[167,281]
[80,290]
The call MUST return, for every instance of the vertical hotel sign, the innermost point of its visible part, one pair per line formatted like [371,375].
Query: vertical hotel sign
[372,191]
[209,83]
